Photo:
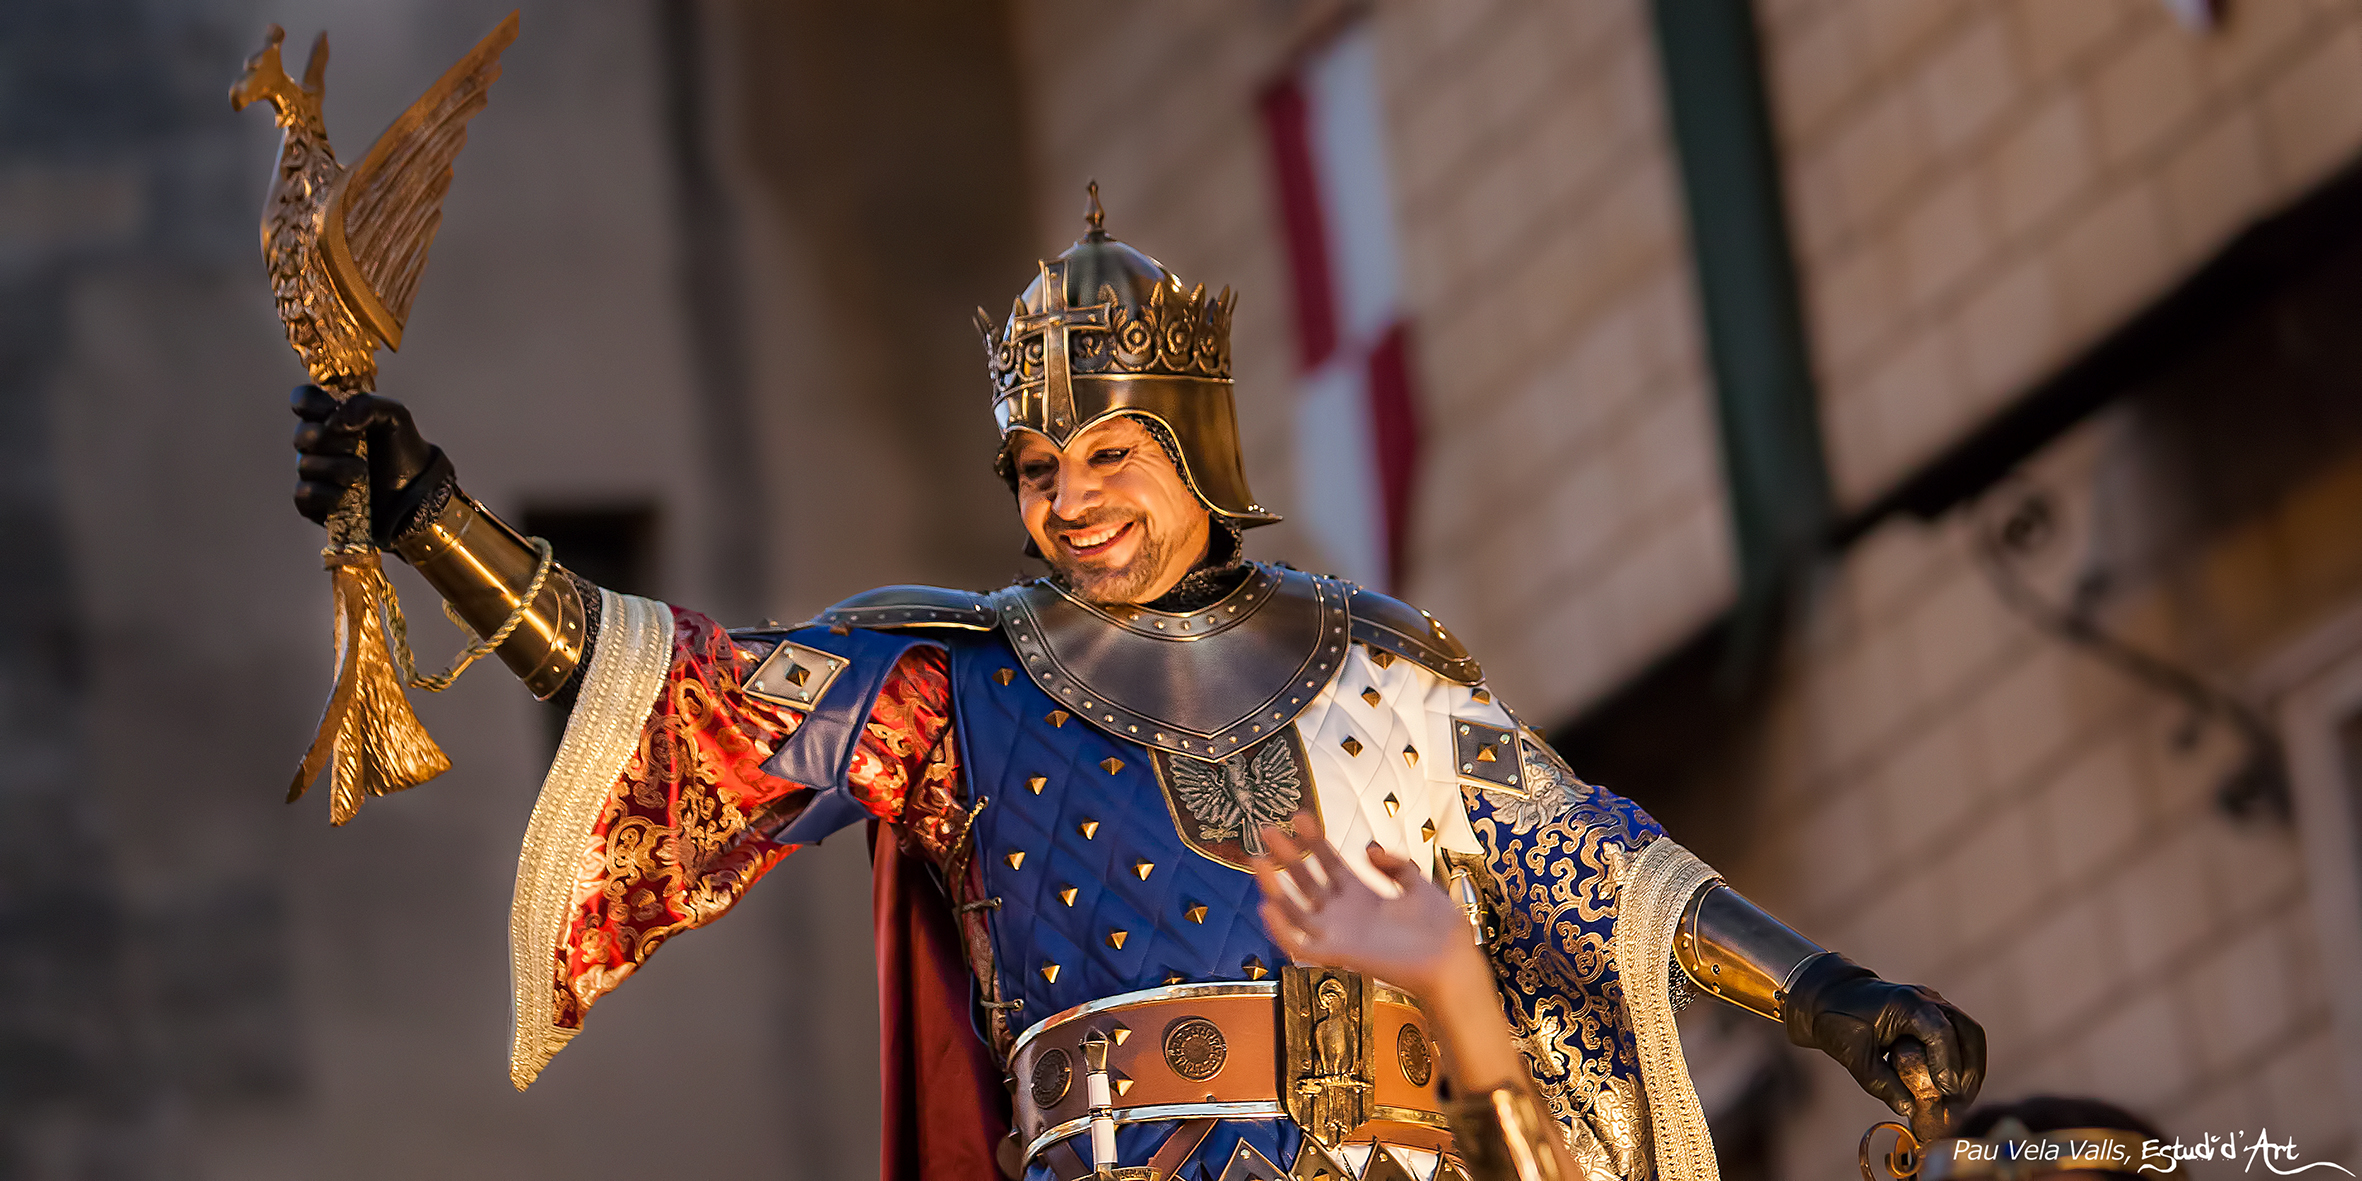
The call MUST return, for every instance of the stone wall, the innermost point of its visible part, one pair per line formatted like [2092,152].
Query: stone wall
[1978,191]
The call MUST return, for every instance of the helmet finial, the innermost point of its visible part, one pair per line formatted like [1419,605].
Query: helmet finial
[1095,217]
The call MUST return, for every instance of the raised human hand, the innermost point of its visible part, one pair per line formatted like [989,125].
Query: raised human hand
[401,462]
[1319,911]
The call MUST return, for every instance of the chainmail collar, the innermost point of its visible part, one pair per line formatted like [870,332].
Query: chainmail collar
[1224,567]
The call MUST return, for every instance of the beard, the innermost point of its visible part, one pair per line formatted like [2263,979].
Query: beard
[1097,582]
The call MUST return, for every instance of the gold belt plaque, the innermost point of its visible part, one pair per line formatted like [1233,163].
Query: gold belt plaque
[1327,1071]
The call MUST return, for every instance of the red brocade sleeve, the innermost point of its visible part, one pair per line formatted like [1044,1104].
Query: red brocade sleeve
[689,824]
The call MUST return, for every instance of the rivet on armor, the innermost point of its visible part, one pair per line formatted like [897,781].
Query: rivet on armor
[1410,755]
[1486,755]
[1352,746]
[1050,973]
[1141,869]
[1057,718]
[1116,937]
[1111,764]
[1089,829]
[1427,830]
[1196,912]
[1066,894]
[1463,728]
[799,676]
[1016,859]
[1253,967]
[1005,675]
[1371,695]
[1393,806]
[1035,783]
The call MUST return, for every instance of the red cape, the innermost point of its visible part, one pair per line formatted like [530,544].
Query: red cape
[946,1108]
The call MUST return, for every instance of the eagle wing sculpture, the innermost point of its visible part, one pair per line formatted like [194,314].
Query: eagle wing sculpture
[345,250]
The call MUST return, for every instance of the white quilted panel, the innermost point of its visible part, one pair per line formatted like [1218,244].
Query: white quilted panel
[1414,711]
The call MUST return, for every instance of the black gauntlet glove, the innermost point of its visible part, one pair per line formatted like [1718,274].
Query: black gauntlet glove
[404,470]
[1847,1012]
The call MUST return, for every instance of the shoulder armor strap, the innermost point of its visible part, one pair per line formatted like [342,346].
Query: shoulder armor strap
[1389,624]
[894,608]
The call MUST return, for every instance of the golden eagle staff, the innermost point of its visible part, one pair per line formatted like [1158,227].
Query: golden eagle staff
[345,248]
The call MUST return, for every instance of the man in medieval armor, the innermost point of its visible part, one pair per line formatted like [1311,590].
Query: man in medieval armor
[1069,778]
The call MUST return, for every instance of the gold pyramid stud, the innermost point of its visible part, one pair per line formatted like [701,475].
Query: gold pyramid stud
[1253,967]
[1050,973]
[799,676]
[1487,756]
[1056,718]
[1118,1032]
[1381,657]
[1196,912]
[1089,829]
[1036,783]
[1172,978]
[1123,1085]
[1393,806]
[1115,938]
[1112,764]
[1427,830]
[1141,869]
[1005,675]
[1370,695]
[1066,894]
[1481,696]
[1352,746]
[1016,859]
[1410,756]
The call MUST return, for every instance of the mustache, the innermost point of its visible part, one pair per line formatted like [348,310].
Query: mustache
[1092,519]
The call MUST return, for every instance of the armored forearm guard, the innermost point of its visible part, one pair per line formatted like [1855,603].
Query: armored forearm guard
[1733,949]
[483,568]
[1506,1134]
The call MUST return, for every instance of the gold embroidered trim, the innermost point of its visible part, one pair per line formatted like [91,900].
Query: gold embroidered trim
[627,669]
[1657,887]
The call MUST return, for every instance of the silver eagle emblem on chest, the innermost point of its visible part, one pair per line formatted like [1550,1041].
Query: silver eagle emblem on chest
[1220,807]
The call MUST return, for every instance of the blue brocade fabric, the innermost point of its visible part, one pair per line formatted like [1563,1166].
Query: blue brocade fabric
[1557,857]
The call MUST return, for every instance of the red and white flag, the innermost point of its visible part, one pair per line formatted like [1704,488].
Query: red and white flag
[1357,423]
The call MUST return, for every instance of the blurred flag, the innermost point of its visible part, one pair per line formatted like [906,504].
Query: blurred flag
[1357,424]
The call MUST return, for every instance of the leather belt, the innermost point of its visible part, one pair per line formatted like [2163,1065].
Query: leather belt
[1348,1058]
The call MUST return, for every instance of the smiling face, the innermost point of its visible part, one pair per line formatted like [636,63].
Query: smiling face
[1110,513]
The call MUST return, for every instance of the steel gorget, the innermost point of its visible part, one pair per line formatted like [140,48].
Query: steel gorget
[1205,683]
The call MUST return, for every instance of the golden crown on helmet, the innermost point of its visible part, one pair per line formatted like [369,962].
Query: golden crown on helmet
[1105,330]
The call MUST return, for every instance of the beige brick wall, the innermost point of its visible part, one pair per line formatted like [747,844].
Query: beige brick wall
[1951,796]
[1979,190]
[1570,522]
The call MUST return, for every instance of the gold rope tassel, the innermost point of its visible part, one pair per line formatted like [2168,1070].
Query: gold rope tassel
[377,743]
